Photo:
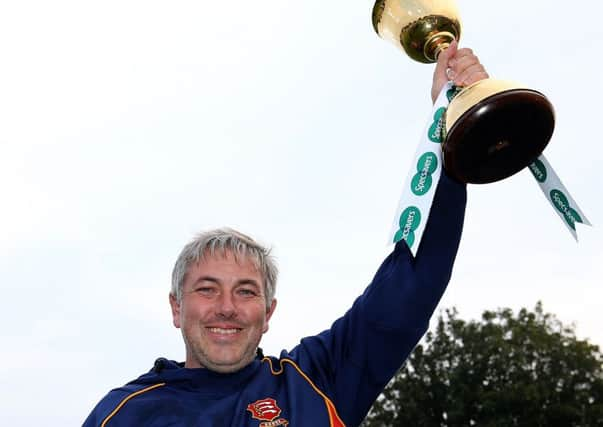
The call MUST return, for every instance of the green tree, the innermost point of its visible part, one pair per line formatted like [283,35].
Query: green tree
[526,369]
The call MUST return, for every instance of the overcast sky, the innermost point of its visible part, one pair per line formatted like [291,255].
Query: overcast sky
[127,126]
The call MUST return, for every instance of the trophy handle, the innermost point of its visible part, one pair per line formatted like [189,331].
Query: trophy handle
[436,44]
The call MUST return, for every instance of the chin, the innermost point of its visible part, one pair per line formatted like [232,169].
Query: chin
[227,365]
[227,368]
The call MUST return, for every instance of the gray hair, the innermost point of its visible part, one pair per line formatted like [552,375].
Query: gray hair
[220,241]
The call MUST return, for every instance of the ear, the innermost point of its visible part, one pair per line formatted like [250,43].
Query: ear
[175,310]
[269,312]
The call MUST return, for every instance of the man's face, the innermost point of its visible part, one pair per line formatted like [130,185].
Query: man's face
[222,313]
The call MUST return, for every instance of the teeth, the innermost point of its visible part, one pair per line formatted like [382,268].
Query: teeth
[223,331]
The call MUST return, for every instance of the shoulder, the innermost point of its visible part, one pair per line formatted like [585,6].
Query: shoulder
[300,367]
[113,401]
[306,384]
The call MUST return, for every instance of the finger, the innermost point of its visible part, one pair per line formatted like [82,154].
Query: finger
[459,54]
[450,74]
[471,74]
[450,51]
[476,77]
[459,63]
[443,61]
[440,76]
[465,66]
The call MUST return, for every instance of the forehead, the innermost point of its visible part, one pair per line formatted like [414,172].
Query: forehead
[225,263]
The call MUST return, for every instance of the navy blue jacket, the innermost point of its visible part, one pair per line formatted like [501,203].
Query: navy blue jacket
[330,379]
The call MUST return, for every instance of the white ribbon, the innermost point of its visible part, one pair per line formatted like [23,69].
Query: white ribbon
[422,180]
[557,195]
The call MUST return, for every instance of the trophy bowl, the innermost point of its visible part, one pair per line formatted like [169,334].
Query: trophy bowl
[493,128]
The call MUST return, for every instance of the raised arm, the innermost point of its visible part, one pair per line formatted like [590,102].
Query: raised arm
[358,355]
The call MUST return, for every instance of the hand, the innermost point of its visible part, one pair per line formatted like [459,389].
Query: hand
[460,66]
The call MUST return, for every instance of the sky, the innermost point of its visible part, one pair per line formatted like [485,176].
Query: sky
[127,126]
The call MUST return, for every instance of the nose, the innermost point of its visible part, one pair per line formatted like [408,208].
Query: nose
[225,307]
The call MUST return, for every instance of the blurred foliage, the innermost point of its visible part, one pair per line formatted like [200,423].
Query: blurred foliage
[524,369]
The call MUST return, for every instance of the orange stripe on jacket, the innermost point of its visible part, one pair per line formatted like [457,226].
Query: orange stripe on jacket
[130,396]
[334,418]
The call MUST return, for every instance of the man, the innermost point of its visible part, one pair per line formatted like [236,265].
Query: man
[222,299]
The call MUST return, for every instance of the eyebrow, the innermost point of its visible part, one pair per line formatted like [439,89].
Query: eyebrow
[217,281]
[206,279]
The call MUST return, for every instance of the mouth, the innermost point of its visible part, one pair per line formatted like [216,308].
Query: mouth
[224,331]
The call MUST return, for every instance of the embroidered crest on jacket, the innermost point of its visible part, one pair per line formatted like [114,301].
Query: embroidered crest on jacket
[267,411]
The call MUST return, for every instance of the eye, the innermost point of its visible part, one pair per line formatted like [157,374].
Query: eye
[247,292]
[206,290]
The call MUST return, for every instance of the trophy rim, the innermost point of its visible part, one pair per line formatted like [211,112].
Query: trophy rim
[376,16]
[455,144]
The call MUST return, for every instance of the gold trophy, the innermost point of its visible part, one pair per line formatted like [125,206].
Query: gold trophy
[493,128]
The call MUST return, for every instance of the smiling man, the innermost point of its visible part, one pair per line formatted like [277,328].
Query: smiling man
[222,298]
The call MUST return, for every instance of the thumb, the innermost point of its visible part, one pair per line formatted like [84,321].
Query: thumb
[443,59]
[440,78]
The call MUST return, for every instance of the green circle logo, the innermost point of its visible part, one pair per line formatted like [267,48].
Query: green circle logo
[428,162]
[436,130]
[422,181]
[421,184]
[452,92]
[538,170]
[409,221]
[562,205]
